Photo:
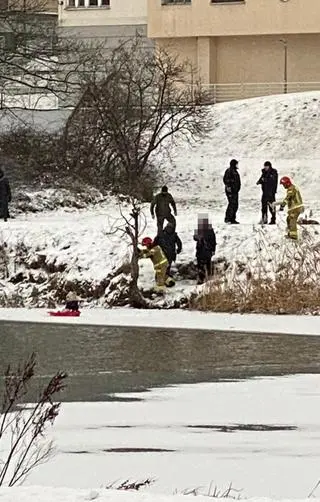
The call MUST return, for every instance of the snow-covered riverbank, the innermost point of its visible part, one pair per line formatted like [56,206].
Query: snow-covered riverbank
[44,255]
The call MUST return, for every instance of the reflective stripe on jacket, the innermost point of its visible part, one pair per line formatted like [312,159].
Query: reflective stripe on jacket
[293,199]
[156,255]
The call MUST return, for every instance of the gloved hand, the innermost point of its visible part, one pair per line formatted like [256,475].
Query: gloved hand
[281,208]
[228,189]
[153,216]
[175,213]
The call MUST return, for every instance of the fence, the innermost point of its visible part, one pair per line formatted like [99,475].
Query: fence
[37,98]
[217,93]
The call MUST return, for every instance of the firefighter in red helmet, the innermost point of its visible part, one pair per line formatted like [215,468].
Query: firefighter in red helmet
[293,201]
[159,261]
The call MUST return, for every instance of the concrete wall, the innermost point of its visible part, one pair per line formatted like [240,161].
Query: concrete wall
[109,36]
[250,17]
[250,59]
[120,12]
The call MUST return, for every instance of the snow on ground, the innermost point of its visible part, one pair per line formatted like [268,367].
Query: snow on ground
[178,319]
[262,434]
[36,494]
[40,494]
[75,246]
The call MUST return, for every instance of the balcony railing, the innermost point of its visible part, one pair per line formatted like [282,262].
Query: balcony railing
[218,93]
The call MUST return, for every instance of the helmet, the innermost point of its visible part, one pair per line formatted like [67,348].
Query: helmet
[147,241]
[286,181]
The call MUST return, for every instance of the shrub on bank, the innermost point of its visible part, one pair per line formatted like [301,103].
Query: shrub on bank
[286,282]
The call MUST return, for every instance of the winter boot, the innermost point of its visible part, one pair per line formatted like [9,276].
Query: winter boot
[170,282]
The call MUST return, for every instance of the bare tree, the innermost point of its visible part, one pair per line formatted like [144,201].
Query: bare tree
[22,430]
[33,59]
[132,226]
[141,103]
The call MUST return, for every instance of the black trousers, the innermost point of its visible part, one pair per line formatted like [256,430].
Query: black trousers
[204,269]
[265,205]
[233,206]
[160,221]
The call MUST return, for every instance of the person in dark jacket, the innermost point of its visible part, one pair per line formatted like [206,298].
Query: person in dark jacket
[170,243]
[269,184]
[205,238]
[161,206]
[72,302]
[5,196]
[232,183]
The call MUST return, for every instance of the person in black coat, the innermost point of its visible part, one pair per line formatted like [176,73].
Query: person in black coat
[232,183]
[170,243]
[5,196]
[205,238]
[269,184]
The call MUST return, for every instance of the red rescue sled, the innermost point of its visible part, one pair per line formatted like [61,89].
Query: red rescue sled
[65,313]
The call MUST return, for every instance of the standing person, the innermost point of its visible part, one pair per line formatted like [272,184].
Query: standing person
[171,245]
[205,238]
[161,206]
[5,196]
[269,184]
[293,201]
[232,182]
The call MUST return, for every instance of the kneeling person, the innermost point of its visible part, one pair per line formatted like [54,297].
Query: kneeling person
[159,261]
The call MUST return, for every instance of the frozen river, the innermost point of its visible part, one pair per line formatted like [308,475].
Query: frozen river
[184,407]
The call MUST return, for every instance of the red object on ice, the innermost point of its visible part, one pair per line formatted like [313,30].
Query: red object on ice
[65,313]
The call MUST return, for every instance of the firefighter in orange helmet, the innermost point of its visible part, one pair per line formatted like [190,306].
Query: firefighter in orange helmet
[293,201]
[159,261]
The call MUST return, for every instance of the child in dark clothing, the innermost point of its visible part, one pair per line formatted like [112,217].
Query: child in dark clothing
[205,248]
[72,302]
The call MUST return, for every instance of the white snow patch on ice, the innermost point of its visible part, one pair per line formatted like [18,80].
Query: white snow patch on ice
[192,422]
[175,319]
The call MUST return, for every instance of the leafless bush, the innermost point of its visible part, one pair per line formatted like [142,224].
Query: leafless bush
[130,485]
[138,104]
[214,492]
[22,429]
[35,155]
[280,281]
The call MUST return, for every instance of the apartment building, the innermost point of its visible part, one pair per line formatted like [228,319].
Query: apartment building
[243,42]
[109,21]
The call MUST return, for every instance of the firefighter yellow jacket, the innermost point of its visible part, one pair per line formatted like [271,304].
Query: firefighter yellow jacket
[293,199]
[156,255]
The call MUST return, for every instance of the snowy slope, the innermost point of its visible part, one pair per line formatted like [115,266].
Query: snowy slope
[76,245]
[40,494]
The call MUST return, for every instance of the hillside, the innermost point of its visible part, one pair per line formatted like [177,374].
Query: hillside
[47,252]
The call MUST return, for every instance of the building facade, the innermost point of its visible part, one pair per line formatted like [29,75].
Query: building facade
[243,42]
[107,21]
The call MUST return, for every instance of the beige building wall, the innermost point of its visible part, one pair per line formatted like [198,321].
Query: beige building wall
[249,17]
[120,12]
[250,59]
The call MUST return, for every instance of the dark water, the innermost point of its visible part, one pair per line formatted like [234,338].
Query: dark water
[104,360]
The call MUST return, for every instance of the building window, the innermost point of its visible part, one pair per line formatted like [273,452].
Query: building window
[227,1]
[81,4]
[170,2]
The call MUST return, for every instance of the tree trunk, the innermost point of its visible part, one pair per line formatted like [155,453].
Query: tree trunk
[135,297]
